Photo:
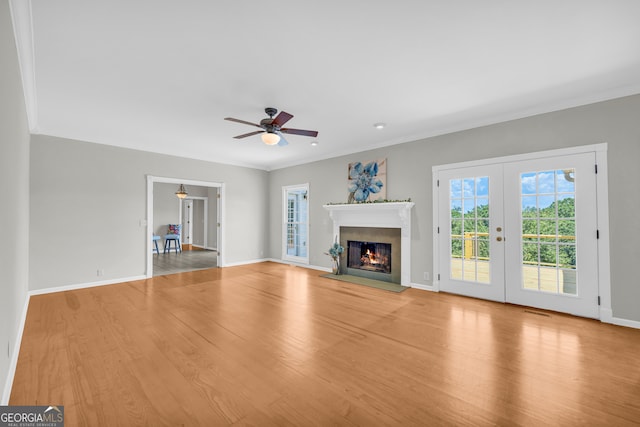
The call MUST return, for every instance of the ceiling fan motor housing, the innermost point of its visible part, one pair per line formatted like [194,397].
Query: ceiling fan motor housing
[266,124]
[270,111]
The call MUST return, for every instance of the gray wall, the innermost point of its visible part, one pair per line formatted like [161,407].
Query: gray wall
[14,194]
[166,208]
[87,201]
[409,175]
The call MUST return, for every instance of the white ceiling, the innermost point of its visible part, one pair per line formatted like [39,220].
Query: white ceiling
[160,75]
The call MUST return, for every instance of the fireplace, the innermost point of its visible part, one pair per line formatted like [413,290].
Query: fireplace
[369,256]
[379,223]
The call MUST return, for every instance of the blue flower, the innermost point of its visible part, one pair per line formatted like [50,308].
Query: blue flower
[335,250]
[363,181]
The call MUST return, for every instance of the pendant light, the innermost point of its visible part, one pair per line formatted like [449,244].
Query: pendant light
[182,192]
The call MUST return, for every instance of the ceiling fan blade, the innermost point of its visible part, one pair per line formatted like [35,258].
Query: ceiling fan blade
[312,133]
[248,134]
[231,119]
[282,118]
[283,142]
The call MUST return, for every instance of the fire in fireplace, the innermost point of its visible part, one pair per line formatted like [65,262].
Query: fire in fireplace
[369,256]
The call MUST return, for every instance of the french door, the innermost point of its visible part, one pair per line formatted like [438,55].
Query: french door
[471,212]
[296,223]
[522,232]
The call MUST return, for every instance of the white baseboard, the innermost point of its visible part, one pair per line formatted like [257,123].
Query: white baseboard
[606,316]
[86,285]
[423,287]
[13,363]
[317,267]
[208,248]
[247,262]
[309,266]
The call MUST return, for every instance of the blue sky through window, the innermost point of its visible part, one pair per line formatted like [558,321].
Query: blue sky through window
[546,185]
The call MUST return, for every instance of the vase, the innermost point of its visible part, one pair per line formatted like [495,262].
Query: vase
[335,266]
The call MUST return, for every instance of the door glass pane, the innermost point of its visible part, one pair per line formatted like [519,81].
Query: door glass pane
[469,219]
[456,259]
[548,227]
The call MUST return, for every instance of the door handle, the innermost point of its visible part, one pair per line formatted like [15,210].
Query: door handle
[498,229]
[499,239]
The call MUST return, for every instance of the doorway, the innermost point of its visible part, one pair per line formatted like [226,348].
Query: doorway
[196,220]
[212,238]
[521,230]
[295,229]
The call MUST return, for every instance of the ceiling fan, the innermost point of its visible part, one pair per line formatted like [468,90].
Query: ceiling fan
[271,128]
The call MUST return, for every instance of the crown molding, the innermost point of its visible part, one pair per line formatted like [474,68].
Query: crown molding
[23,32]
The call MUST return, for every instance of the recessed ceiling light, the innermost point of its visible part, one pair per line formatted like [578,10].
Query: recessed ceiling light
[314,143]
[379,125]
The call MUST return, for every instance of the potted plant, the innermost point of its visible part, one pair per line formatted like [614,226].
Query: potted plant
[335,251]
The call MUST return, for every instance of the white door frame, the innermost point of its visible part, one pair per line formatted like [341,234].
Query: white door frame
[285,190]
[206,216]
[602,207]
[149,221]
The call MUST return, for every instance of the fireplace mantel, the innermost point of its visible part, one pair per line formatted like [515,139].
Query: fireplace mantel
[385,215]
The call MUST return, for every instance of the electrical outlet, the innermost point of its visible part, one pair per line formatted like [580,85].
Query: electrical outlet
[100,272]
[426,275]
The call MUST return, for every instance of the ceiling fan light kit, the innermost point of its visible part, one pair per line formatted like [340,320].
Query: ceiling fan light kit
[272,129]
[270,138]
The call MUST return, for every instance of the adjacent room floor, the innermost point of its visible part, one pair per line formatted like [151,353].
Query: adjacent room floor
[188,260]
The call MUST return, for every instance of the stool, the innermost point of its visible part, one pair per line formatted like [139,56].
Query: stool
[172,238]
[155,239]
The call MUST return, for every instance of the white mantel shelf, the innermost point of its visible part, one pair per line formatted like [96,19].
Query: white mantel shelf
[384,215]
[364,206]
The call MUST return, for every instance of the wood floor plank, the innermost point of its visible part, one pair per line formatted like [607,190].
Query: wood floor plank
[271,344]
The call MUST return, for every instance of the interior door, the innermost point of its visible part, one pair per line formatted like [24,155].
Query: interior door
[471,223]
[551,234]
[296,223]
[187,221]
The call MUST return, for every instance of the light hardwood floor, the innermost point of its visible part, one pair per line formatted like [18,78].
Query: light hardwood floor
[270,344]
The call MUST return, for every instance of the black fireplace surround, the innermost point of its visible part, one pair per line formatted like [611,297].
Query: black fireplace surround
[369,256]
[384,258]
